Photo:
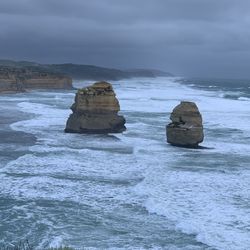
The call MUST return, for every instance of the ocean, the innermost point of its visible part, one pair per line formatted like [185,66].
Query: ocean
[130,190]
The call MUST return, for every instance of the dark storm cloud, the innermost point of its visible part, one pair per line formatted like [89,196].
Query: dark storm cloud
[192,37]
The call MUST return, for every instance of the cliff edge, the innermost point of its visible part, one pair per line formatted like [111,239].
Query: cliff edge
[18,79]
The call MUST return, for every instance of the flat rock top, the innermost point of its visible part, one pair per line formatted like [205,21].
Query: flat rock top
[102,85]
[98,88]
[186,112]
[185,106]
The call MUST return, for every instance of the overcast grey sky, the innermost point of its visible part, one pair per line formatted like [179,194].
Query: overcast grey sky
[186,37]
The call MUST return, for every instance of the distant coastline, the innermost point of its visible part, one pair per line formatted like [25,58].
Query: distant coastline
[23,75]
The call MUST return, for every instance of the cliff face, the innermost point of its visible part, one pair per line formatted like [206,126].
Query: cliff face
[96,111]
[13,79]
[9,86]
[48,82]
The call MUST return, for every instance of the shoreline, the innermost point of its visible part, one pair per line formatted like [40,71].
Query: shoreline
[11,92]
[24,90]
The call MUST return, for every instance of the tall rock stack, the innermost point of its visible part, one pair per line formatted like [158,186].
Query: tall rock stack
[186,128]
[96,111]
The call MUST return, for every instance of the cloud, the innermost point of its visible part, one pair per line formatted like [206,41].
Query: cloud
[188,37]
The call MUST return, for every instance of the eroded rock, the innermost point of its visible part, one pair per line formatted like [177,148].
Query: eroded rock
[186,128]
[96,111]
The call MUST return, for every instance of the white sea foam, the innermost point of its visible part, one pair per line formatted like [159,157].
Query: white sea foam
[56,242]
[204,205]
[195,190]
[46,116]
[241,98]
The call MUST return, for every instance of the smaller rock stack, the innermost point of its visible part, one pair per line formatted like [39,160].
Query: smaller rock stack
[96,111]
[186,129]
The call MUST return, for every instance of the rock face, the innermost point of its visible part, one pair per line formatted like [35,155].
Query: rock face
[186,128]
[95,111]
[13,79]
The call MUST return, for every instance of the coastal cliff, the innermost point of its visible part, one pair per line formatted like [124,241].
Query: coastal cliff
[19,79]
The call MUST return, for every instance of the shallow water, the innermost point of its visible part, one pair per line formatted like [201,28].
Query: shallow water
[130,190]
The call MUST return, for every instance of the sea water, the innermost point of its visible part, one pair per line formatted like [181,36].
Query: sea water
[130,190]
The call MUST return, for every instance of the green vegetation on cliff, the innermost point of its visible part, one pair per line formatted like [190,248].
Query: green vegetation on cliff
[84,72]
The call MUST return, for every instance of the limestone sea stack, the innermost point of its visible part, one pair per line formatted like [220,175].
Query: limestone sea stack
[186,129]
[96,111]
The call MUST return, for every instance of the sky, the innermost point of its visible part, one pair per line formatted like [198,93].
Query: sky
[199,38]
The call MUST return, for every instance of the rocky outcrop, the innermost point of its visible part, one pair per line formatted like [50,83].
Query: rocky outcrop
[14,79]
[186,128]
[95,111]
